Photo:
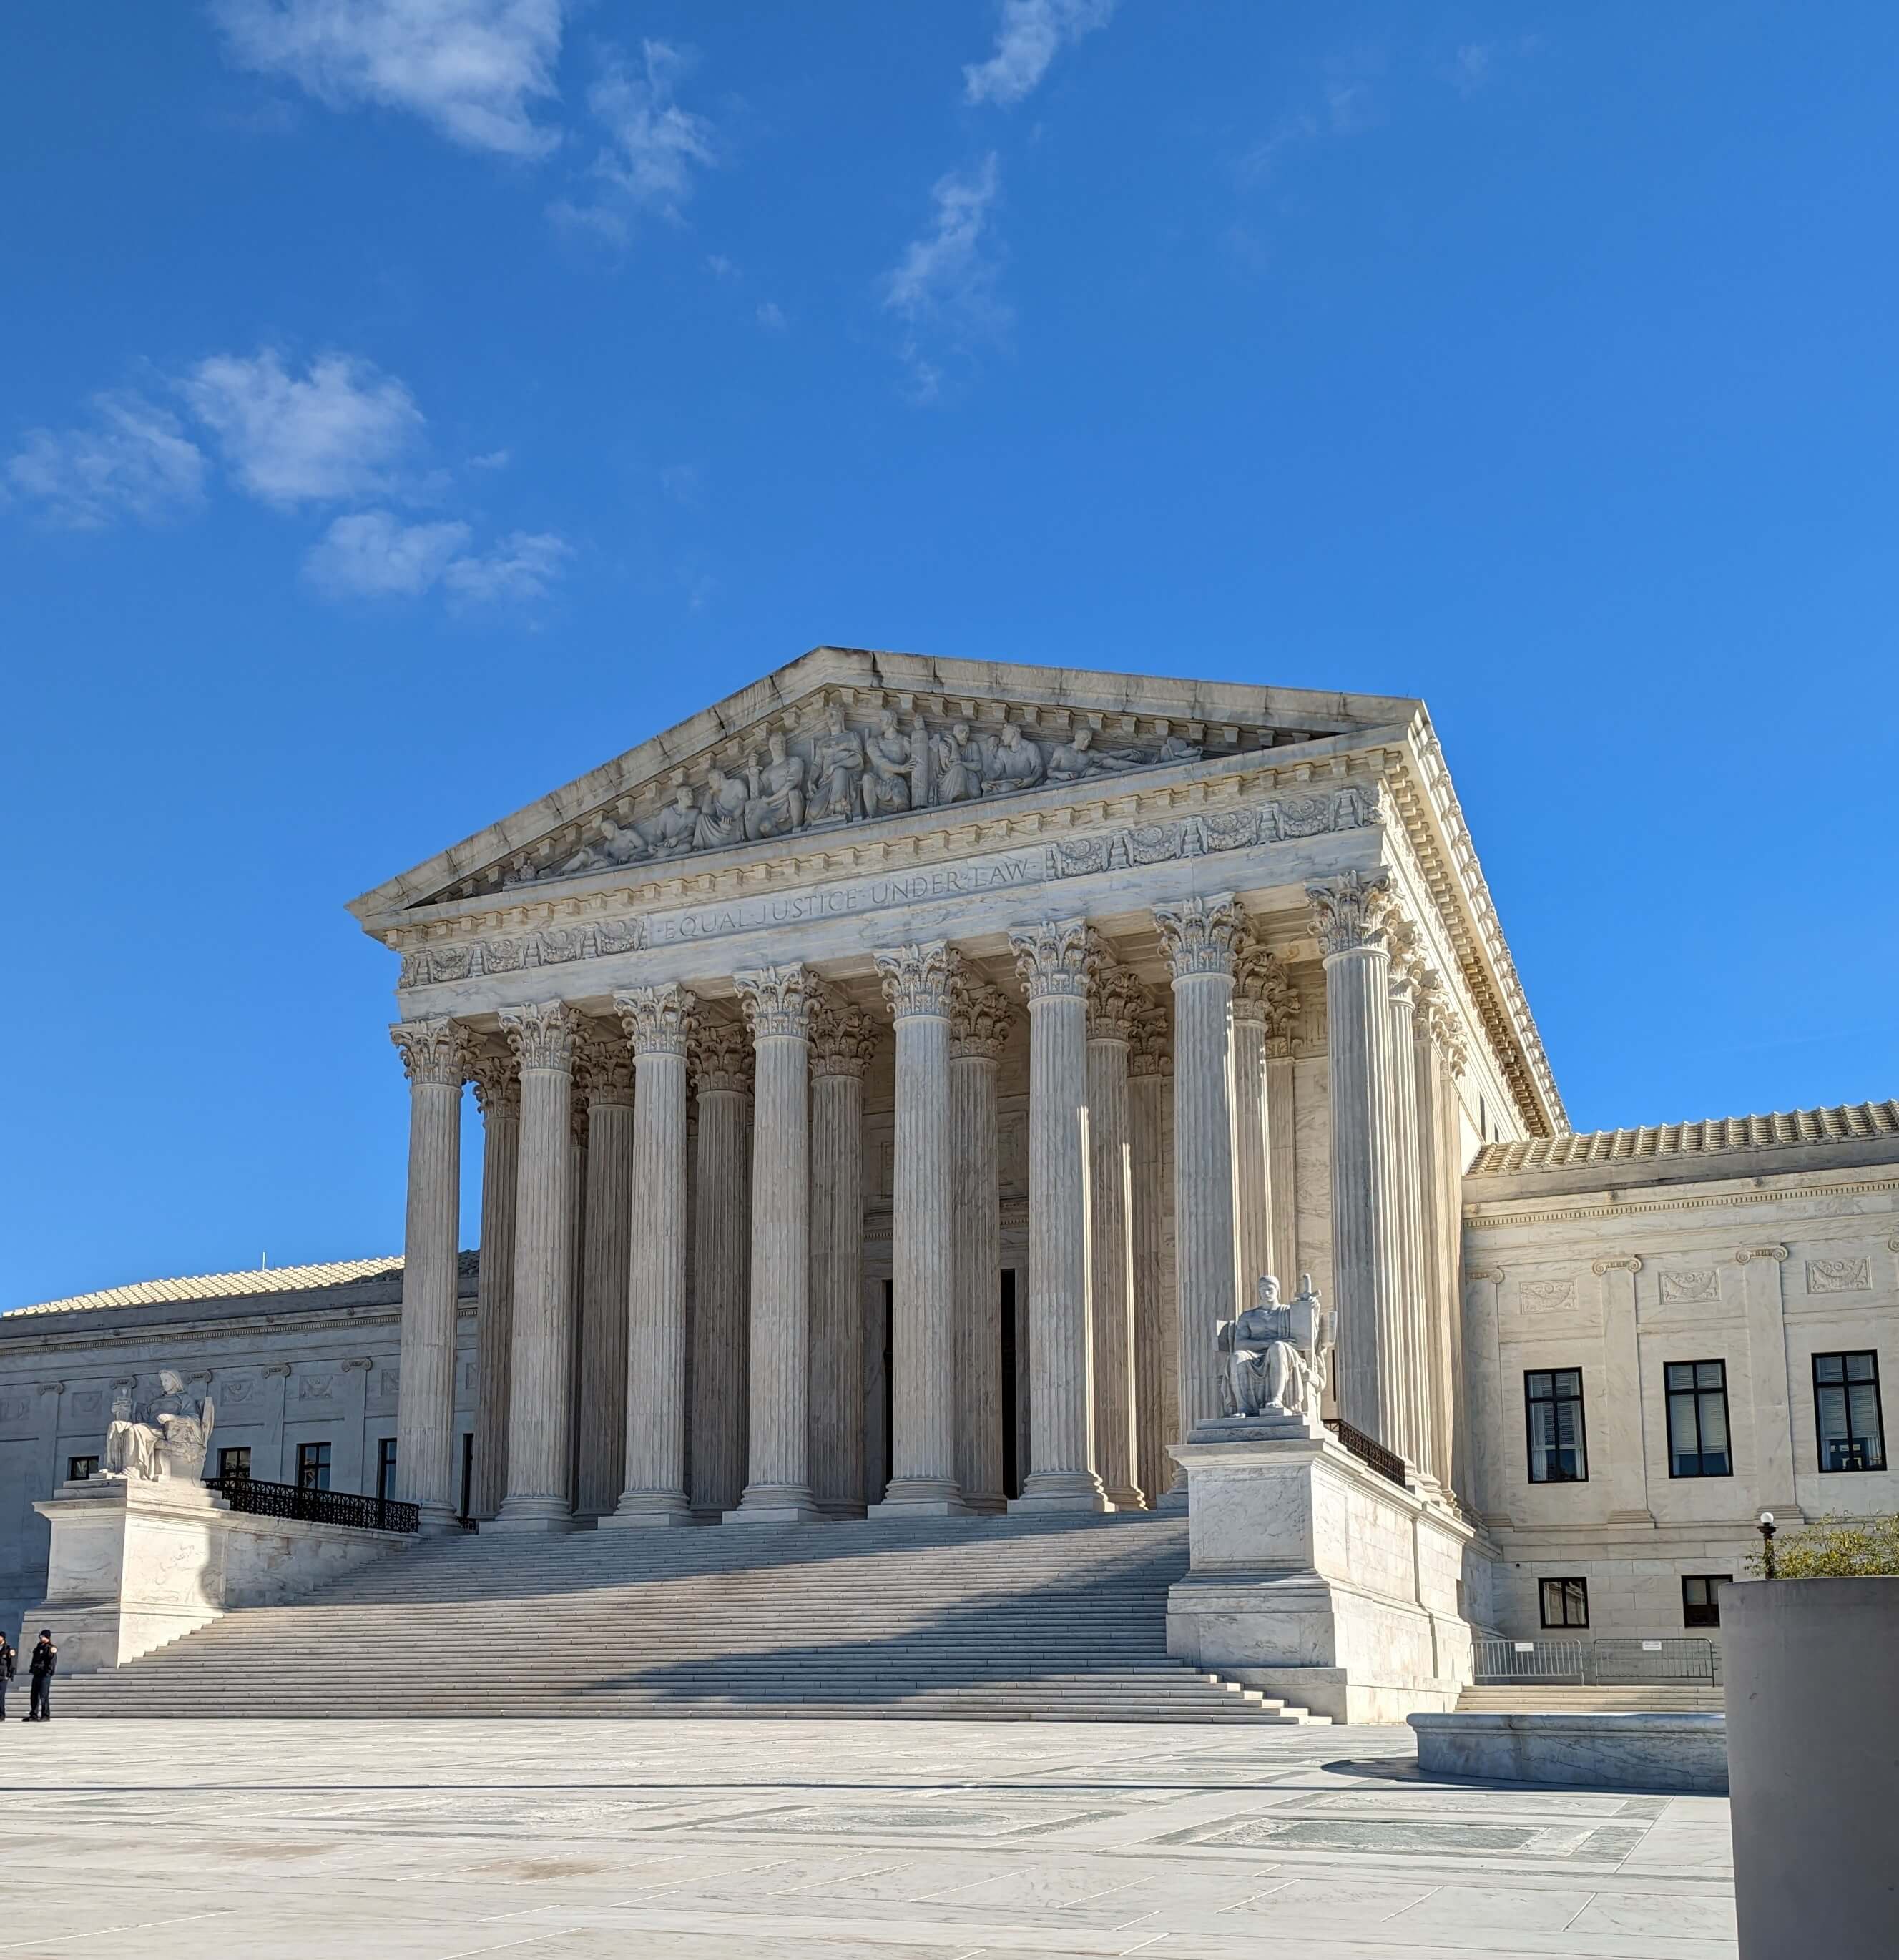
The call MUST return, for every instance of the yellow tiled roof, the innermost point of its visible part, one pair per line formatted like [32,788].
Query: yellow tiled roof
[223,1286]
[1845,1122]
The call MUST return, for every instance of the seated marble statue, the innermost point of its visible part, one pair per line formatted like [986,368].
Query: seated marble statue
[676,830]
[131,1446]
[776,805]
[721,816]
[1277,1356]
[184,1424]
[1014,764]
[886,786]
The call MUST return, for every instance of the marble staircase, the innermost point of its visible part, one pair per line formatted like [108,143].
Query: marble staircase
[1030,1618]
[1530,1697]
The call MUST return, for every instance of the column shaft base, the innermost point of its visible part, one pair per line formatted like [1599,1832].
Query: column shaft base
[920,1497]
[1127,1498]
[648,1510]
[1061,1491]
[775,1504]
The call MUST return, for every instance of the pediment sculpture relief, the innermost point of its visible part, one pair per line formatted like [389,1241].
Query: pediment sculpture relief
[840,774]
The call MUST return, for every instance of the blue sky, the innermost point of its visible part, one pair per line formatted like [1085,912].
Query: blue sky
[411,403]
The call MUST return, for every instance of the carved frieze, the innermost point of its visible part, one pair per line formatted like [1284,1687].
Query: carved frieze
[1688,1284]
[1546,1296]
[1838,1275]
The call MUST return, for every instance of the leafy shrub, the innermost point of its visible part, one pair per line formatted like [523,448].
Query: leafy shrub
[1836,1548]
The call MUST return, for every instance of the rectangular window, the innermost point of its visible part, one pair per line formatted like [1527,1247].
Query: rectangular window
[1700,1603]
[1698,1419]
[386,1468]
[1552,1398]
[313,1466]
[1845,1409]
[1566,1602]
[234,1462]
[78,1468]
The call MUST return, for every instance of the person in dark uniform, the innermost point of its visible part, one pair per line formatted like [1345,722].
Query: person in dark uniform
[6,1672]
[41,1666]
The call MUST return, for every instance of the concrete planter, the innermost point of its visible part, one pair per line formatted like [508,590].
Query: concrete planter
[1813,1757]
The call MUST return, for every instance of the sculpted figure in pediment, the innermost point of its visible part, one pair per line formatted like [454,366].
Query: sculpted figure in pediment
[958,758]
[677,830]
[721,816]
[1014,764]
[837,767]
[1069,761]
[776,805]
[887,778]
[619,844]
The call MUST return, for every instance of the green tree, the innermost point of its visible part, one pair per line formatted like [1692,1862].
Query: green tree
[1835,1548]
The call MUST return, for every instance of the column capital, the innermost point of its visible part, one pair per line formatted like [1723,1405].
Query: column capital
[577,1115]
[1201,935]
[496,1075]
[433,1051]
[542,1034]
[916,979]
[979,1016]
[843,1037]
[604,1066]
[1263,992]
[1052,958]
[1437,1022]
[659,1020]
[720,1054]
[777,1000]
[1151,1052]
[1117,1003]
[1352,912]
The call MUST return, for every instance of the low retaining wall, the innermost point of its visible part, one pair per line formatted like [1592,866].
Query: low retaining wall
[1637,1752]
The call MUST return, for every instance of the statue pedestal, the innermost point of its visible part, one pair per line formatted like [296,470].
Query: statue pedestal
[1317,1579]
[133,1564]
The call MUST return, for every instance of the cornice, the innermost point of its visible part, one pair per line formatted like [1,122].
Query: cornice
[1479,1220]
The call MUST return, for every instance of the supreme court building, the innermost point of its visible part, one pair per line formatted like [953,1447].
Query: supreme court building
[891,1076]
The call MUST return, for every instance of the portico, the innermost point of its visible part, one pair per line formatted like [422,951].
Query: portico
[1070,999]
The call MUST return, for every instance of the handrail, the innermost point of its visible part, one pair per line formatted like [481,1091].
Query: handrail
[314,1507]
[1374,1454]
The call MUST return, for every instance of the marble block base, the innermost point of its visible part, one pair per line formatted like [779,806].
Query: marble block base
[1659,1751]
[1316,1579]
[134,1564]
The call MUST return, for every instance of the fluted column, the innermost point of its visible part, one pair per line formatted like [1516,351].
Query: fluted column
[1415,1402]
[540,1409]
[497,1080]
[843,1040]
[577,1265]
[658,1023]
[435,1058]
[1052,961]
[1200,938]
[1156,1400]
[979,1026]
[1282,1131]
[915,981]
[1438,1059]
[721,1294]
[1351,916]
[777,1004]
[1116,1002]
[1252,1160]
[606,1069]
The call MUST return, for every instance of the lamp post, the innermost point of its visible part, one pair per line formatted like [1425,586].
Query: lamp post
[1766,1541]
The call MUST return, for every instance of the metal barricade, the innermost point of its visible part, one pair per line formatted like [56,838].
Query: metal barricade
[1636,1663]
[1498,1662]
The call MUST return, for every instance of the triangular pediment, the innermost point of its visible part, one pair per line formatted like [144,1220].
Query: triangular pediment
[842,738]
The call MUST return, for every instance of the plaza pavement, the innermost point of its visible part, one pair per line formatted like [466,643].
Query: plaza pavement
[826,1840]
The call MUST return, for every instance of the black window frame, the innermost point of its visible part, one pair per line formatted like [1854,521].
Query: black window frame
[227,1467]
[1552,1401]
[385,1467]
[76,1475]
[308,1460]
[1842,1356]
[1694,1394]
[1709,1608]
[1565,1625]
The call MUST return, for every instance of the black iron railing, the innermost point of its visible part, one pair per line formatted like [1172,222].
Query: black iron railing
[1362,1447]
[314,1507]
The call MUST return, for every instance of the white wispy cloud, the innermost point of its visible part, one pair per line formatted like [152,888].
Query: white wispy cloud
[653,146]
[771,316]
[133,460]
[945,281]
[473,69]
[1029,36]
[376,555]
[343,429]
[496,459]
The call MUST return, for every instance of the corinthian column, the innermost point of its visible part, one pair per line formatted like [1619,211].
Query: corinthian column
[1259,991]
[1281,1056]
[980,1015]
[1116,1001]
[540,1409]
[916,985]
[1156,1397]
[1416,1400]
[777,1003]
[435,1058]
[497,1079]
[722,1066]
[658,1023]
[1052,961]
[1438,1059]
[1351,916]
[607,1070]
[843,1040]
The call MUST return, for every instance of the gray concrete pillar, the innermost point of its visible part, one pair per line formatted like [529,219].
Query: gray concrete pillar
[606,1071]
[497,1080]
[980,1017]
[721,1061]
[1116,1002]
[435,1058]
[1156,1331]
[843,1041]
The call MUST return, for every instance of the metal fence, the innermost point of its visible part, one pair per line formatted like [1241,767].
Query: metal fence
[1607,1664]
[1367,1451]
[314,1507]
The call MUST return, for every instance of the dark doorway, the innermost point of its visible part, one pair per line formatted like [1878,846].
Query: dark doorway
[890,1393]
[1011,1469]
